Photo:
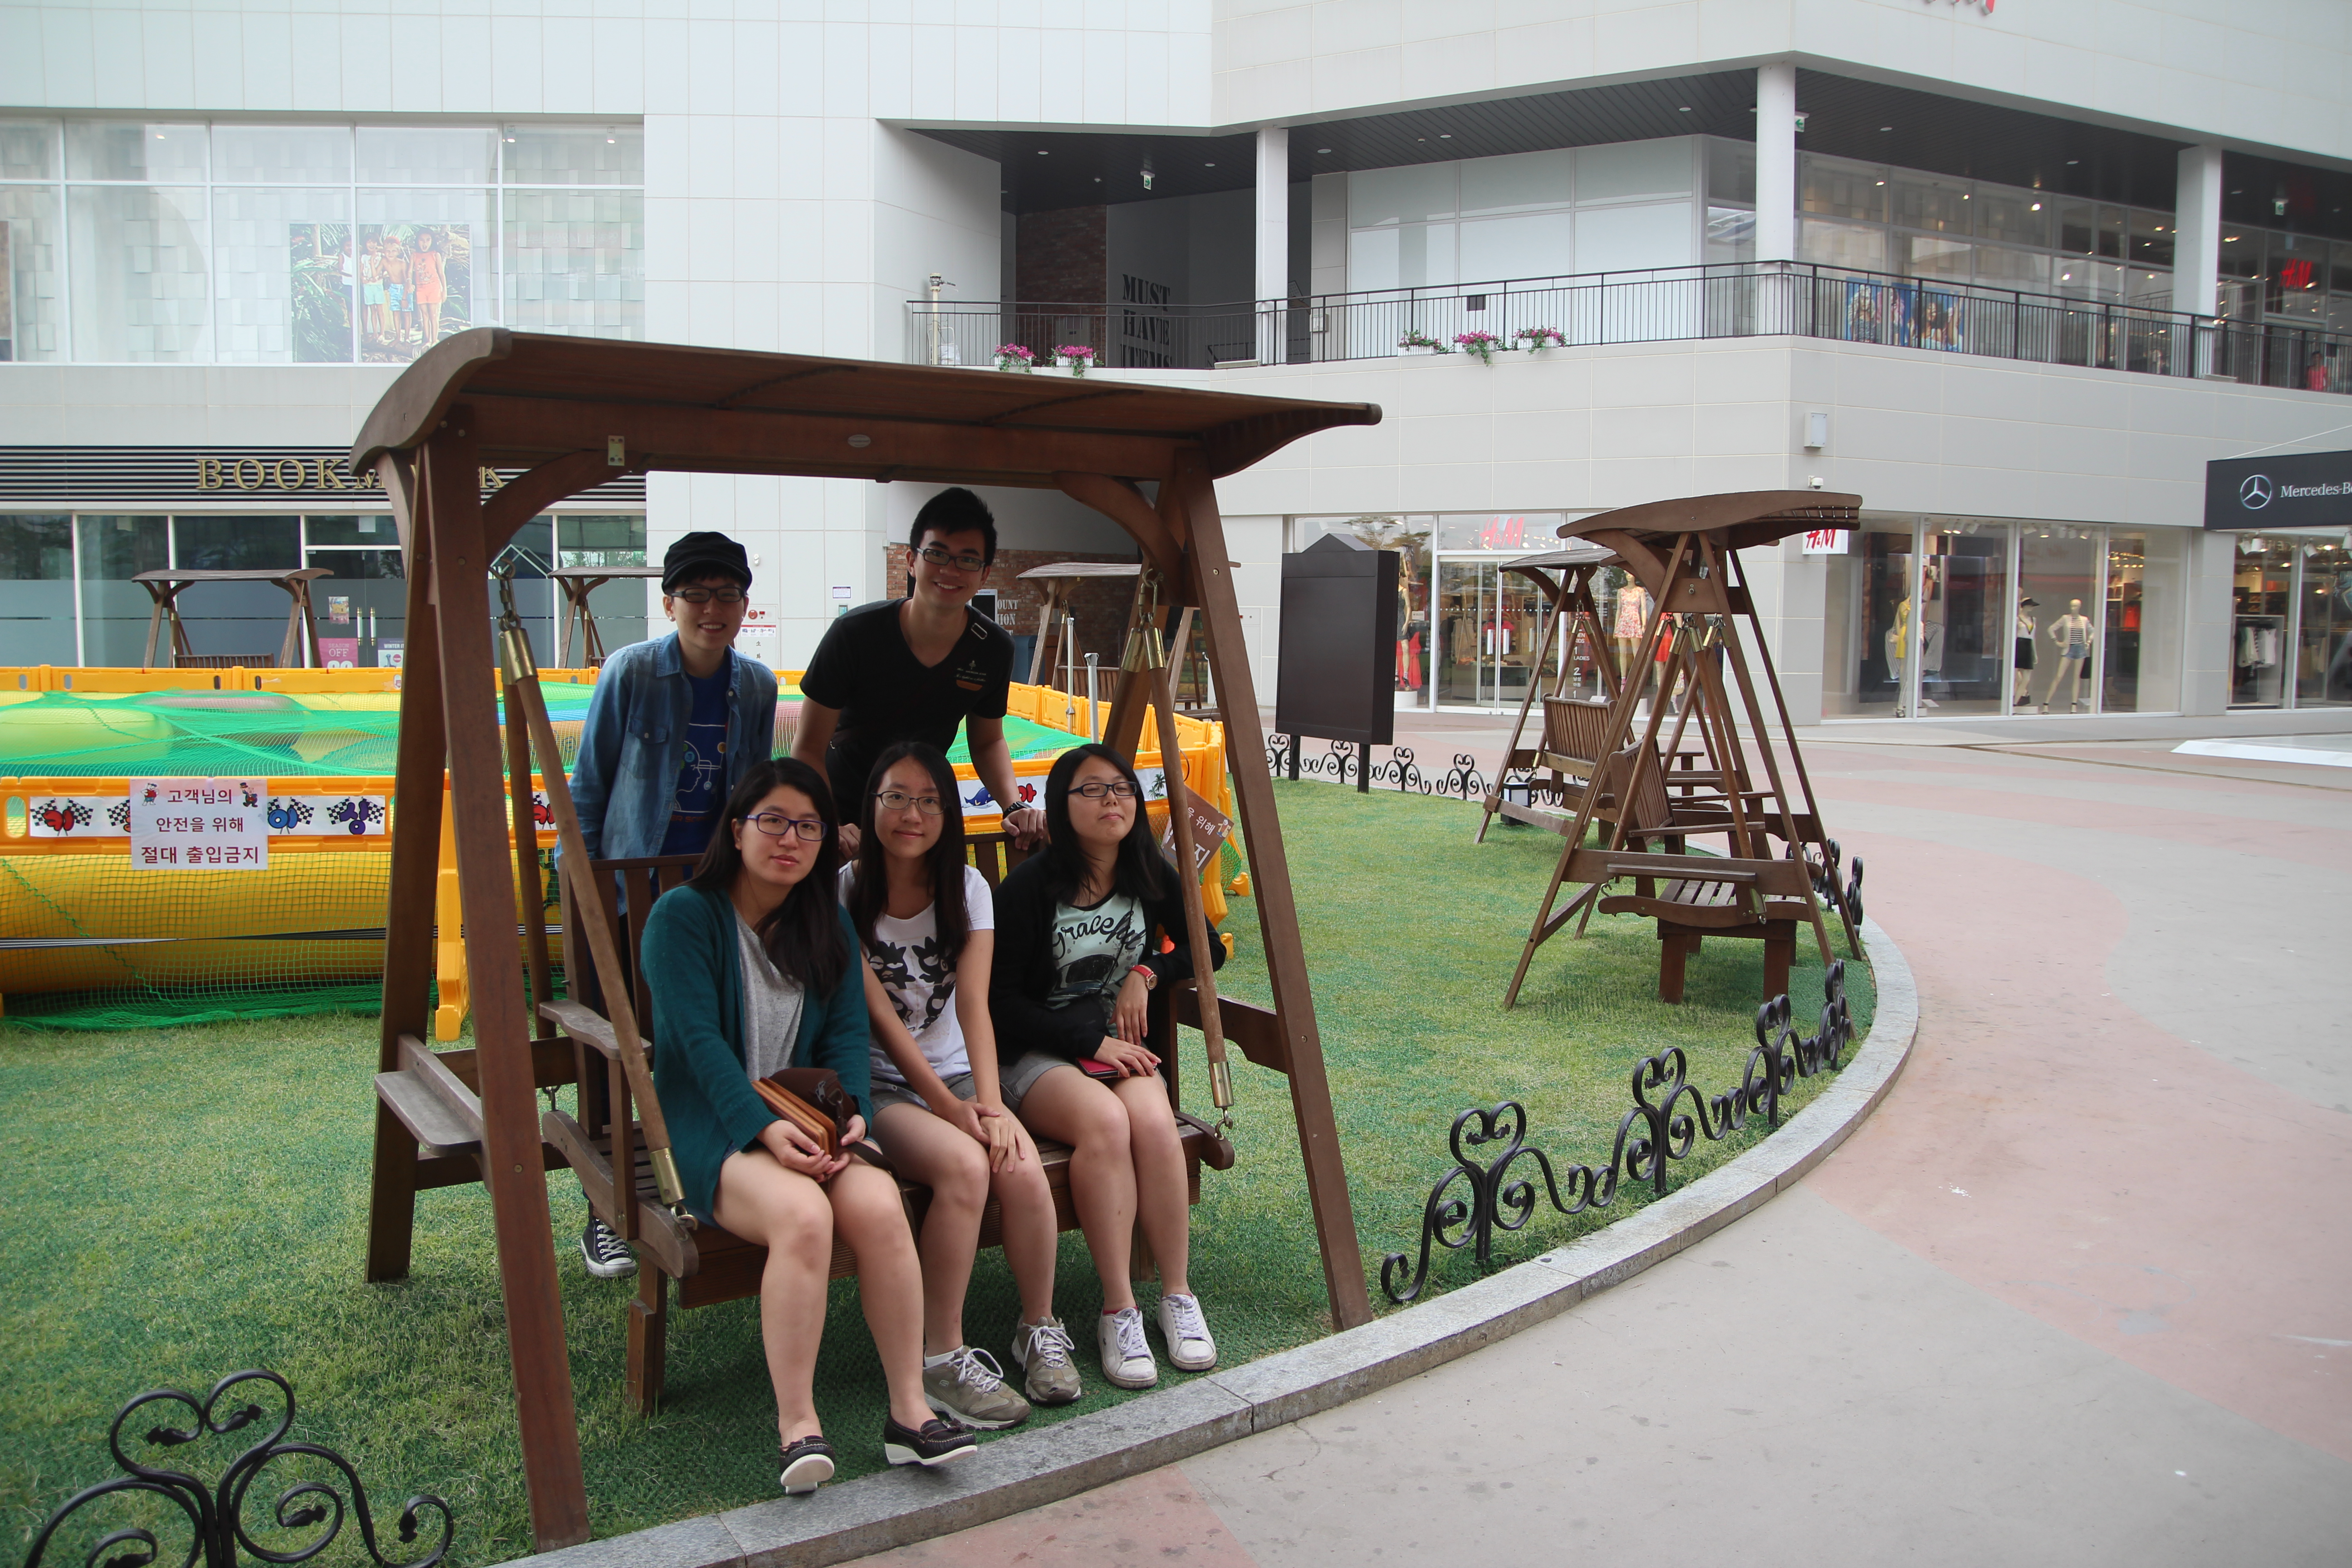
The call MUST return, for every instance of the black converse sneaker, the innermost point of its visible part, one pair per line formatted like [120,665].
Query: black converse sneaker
[605,1253]
[936,1444]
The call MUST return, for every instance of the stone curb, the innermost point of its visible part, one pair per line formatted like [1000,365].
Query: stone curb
[896,1507]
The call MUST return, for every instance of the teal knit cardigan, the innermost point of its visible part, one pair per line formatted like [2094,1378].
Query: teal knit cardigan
[690,956]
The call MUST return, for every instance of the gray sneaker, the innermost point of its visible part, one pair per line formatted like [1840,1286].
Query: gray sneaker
[1042,1351]
[969,1387]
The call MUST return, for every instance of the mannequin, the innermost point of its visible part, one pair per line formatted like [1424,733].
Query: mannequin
[1931,633]
[2023,657]
[1898,648]
[1633,616]
[2072,633]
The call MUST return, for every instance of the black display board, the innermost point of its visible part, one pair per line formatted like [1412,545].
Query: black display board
[2286,490]
[1337,680]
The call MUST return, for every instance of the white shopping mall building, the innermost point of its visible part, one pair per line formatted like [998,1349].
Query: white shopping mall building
[2012,273]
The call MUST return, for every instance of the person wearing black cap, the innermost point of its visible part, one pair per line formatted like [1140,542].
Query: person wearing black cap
[674,726]
[916,668]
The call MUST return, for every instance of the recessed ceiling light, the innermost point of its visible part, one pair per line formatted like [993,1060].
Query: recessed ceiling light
[1446,136]
[1322,149]
[2072,162]
[1098,179]
[1886,128]
[1684,110]
[2037,206]
[1041,152]
[1208,165]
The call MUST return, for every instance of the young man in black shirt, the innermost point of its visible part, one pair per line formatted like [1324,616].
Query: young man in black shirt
[913,668]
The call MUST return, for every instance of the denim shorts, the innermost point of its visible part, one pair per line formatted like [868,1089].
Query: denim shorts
[1016,1082]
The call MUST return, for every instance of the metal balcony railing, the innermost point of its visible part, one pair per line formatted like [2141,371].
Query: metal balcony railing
[1666,305]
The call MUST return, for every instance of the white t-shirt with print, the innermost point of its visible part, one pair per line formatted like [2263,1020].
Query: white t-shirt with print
[921,984]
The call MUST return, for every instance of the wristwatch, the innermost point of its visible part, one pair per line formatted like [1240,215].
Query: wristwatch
[1150,980]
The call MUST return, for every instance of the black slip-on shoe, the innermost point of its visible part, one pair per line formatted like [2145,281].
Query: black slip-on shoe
[936,1444]
[808,1465]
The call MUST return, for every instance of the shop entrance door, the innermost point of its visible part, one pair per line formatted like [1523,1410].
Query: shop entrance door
[1488,627]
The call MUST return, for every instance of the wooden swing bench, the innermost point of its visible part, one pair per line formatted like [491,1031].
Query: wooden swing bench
[434,1096]
[571,414]
[1693,897]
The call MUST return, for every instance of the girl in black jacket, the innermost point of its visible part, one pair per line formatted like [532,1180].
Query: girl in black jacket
[1077,929]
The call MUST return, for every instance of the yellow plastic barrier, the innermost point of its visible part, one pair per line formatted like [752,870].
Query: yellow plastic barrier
[67,885]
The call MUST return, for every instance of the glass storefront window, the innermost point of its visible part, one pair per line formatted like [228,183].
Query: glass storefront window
[2059,570]
[287,275]
[366,600]
[35,553]
[282,155]
[2145,617]
[154,155]
[115,610]
[1965,643]
[2323,651]
[140,290]
[246,244]
[574,262]
[101,620]
[563,155]
[2262,594]
[32,295]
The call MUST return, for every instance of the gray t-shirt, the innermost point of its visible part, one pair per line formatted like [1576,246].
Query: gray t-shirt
[771,1007]
[1093,949]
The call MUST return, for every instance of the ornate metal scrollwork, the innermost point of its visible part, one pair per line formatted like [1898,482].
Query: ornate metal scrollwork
[216,1515]
[1846,899]
[1670,1114]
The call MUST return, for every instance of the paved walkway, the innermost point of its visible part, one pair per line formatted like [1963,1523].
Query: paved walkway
[2081,1292]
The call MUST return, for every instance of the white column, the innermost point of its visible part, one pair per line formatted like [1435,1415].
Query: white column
[2197,232]
[1776,161]
[1273,241]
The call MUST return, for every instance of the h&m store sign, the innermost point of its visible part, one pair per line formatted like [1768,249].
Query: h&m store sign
[132,478]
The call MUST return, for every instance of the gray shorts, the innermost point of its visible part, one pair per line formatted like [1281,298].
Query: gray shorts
[1015,1081]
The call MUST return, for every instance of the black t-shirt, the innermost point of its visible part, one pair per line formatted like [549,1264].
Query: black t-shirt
[864,667]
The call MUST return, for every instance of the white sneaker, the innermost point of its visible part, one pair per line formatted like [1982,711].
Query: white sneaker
[1126,1353]
[1190,1348]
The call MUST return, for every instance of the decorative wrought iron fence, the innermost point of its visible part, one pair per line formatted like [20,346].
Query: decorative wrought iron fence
[1345,762]
[1746,299]
[1670,1114]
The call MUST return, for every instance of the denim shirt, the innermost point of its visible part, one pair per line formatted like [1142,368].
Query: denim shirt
[634,741]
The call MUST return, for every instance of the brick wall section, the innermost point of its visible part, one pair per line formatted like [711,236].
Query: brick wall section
[1099,603]
[1062,257]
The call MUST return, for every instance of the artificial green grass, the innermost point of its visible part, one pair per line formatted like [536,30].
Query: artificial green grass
[192,1201]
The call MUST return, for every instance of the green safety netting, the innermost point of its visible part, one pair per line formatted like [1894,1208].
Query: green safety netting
[87,940]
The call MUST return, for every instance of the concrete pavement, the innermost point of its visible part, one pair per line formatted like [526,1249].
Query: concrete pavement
[2080,1292]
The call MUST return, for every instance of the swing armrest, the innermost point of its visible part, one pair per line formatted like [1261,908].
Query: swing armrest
[583,1023]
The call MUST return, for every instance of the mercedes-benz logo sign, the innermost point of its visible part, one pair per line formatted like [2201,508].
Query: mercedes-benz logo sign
[2256,493]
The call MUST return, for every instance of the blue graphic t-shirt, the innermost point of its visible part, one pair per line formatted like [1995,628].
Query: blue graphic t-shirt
[702,776]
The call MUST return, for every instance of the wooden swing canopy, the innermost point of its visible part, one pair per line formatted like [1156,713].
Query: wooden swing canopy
[574,413]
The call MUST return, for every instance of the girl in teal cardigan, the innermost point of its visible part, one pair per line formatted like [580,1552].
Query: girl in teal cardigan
[754,967]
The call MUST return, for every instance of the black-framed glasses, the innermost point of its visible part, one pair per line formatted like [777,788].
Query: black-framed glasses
[775,825]
[1097,789]
[710,596]
[899,800]
[938,556]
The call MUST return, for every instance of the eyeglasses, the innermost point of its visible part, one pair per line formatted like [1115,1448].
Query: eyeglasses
[1096,789]
[775,825]
[899,800]
[940,557]
[708,596]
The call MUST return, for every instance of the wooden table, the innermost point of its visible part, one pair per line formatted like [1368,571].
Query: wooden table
[578,583]
[301,627]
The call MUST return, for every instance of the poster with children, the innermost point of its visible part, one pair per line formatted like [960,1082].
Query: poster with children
[417,286]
